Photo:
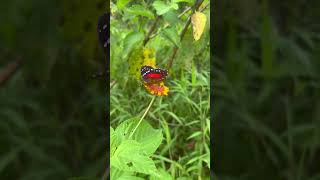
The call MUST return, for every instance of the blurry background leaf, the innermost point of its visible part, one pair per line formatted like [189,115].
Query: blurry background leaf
[122,3]
[161,7]
[132,39]
[140,10]
[172,35]
[187,1]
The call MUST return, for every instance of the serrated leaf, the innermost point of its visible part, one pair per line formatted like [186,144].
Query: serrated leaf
[131,40]
[161,7]
[198,21]
[129,157]
[141,11]
[172,35]
[122,3]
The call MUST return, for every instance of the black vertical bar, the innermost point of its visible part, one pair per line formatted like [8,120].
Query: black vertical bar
[104,39]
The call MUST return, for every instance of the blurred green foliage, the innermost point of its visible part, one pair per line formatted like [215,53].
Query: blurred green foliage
[266,90]
[52,115]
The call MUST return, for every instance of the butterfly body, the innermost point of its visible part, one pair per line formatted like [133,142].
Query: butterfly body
[152,75]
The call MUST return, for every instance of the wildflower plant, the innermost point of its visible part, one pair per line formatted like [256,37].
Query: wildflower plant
[135,143]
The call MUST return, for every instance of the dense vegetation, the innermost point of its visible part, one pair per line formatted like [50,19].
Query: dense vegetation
[265,80]
[266,89]
[52,114]
[176,129]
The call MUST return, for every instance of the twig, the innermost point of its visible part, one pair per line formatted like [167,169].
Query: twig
[183,32]
[153,27]
[179,16]
[185,11]
[165,26]
[205,7]
[9,70]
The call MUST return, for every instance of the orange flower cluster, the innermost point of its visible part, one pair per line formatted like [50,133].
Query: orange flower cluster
[158,89]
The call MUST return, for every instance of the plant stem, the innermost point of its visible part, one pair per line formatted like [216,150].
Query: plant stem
[153,27]
[183,32]
[145,113]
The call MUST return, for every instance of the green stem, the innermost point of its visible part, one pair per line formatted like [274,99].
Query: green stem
[145,113]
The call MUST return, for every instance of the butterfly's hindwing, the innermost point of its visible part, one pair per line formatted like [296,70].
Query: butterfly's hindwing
[151,75]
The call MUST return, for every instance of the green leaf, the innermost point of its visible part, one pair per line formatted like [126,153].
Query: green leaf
[195,134]
[116,174]
[193,74]
[122,3]
[164,175]
[187,1]
[131,40]
[172,35]
[130,157]
[149,137]
[207,159]
[174,6]
[171,17]
[184,178]
[161,7]
[141,11]
[129,177]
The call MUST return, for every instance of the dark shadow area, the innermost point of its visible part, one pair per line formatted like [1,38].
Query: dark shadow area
[52,113]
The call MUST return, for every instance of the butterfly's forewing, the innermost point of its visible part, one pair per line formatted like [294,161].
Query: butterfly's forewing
[150,75]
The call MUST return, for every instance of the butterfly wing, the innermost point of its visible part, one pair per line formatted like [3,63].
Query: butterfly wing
[150,75]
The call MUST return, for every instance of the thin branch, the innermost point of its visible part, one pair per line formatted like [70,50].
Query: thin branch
[205,7]
[153,27]
[183,32]
[144,114]
[185,11]
[165,26]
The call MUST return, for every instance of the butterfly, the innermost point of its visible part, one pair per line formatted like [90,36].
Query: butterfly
[104,30]
[152,75]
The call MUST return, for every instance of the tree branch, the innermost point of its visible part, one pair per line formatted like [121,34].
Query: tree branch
[153,27]
[183,32]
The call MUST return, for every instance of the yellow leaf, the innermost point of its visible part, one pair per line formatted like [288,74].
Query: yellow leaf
[198,21]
